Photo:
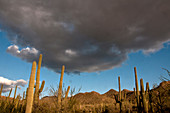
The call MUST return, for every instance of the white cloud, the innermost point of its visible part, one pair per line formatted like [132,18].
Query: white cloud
[70,52]
[8,84]
[25,53]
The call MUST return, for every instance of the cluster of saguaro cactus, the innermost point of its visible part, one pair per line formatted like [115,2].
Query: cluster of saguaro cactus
[144,103]
[32,96]
[37,89]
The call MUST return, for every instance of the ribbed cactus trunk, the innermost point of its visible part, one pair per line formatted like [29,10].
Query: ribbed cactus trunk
[120,99]
[36,94]
[137,88]
[145,108]
[1,90]
[67,93]
[31,89]
[60,85]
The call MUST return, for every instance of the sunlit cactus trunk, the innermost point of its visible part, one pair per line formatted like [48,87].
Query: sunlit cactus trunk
[15,93]
[31,89]
[36,94]
[60,85]
[137,88]
[1,89]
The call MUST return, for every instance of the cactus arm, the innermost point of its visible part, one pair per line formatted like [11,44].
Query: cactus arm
[67,92]
[31,89]
[42,87]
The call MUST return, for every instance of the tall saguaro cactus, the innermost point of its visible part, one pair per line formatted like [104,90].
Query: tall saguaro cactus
[120,99]
[31,89]
[1,89]
[119,89]
[137,88]
[60,85]
[36,94]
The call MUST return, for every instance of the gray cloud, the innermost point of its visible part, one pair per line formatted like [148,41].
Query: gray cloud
[86,35]
[8,84]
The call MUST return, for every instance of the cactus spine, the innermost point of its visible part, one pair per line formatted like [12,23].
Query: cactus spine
[31,89]
[143,97]
[60,85]
[1,89]
[137,88]
[36,94]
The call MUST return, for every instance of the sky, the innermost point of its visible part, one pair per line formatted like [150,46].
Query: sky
[97,41]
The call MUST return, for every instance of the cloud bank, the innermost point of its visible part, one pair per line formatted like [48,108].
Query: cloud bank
[86,35]
[8,84]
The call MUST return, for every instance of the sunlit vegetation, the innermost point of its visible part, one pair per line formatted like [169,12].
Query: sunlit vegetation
[145,100]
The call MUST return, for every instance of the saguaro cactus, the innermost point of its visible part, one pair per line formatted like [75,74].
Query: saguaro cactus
[137,88]
[31,89]
[36,94]
[120,99]
[60,85]
[1,89]
[15,93]
[145,108]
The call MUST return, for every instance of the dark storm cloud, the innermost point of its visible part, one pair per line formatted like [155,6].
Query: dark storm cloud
[87,35]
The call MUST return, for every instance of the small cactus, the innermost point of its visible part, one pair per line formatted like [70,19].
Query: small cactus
[31,89]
